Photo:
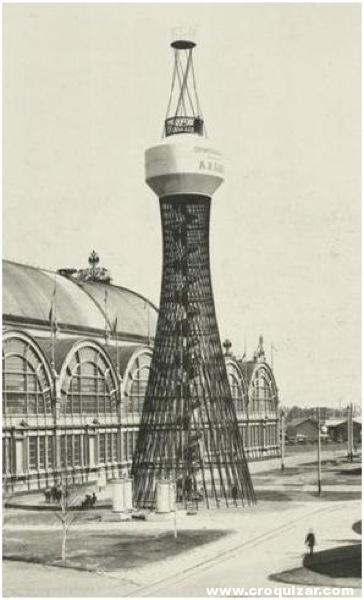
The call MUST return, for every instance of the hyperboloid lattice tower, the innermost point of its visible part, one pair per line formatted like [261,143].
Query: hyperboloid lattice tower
[188,432]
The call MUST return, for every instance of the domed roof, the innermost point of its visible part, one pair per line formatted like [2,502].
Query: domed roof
[28,293]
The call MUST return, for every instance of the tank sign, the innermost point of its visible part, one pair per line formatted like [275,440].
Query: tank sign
[210,160]
[184,158]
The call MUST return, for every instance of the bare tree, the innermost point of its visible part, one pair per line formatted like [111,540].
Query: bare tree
[68,500]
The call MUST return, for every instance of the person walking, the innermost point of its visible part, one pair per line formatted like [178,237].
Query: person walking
[310,541]
[234,493]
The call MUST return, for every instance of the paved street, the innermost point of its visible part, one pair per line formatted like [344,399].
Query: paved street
[252,563]
[263,541]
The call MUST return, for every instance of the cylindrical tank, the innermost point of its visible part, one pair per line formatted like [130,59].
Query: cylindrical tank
[163,500]
[118,502]
[183,164]
[128,494]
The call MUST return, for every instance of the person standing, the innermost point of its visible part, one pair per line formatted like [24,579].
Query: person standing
[310,541]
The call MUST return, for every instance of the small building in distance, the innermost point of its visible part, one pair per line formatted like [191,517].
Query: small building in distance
[337,430]
[304,430]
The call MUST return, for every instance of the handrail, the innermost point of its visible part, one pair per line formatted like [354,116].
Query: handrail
[183,124]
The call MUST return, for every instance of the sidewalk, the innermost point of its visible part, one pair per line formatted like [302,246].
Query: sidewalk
[254,563]
[251,528]
[37,501]
[275,525]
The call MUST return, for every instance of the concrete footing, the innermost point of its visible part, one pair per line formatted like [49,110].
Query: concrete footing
[111,517]
[154,516]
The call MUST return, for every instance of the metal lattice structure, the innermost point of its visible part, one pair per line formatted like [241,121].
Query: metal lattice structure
[189,432]
[184,114]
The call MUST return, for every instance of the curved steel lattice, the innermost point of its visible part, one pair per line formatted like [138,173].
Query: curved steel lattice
[184,114]
[189,432]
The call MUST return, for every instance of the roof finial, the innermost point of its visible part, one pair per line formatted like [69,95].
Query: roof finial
[227,345]
[94,272]
[93,259]
[259,354]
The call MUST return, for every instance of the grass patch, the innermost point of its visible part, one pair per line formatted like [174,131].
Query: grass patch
[357,527]
[337,567]
[349,482]
[343,561]
[337,495]
[272,496]
[356,471]
[103,551]
[45,518]
[302,576]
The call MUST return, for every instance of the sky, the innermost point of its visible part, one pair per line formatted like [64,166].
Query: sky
[85,93]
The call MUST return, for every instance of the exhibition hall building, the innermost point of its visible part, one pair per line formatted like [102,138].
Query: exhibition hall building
[76,358]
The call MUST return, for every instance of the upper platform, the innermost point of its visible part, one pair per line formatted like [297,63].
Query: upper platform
[184,113]
[185,124]
[183,44]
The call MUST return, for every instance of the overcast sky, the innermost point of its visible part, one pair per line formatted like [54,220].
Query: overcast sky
[85,92]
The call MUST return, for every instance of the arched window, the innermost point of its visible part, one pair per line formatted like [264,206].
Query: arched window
[253,400]
[263,390]
[237,386]
[88,382]
[137,381]
[236,392]
[26,378]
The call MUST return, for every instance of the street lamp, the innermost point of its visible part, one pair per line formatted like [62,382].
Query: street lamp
[350,432]
[282,439]
[319,452]
[265,445]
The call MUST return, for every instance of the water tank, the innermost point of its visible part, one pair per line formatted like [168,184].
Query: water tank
[163,500]
[118,502]
[128,494]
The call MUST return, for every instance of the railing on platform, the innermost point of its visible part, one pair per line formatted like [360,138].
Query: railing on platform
[175,125]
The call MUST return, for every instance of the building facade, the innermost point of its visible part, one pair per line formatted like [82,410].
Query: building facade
[306,427]
[338,429]
[76,359]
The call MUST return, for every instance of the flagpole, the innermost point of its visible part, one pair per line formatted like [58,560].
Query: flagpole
[282,440]
[273,349]
[117,348]
[105,310]
[53,322]
[350,432]
[319,453]
[53,357]
[148,316]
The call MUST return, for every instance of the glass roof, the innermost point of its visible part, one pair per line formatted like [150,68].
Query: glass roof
[28,292]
